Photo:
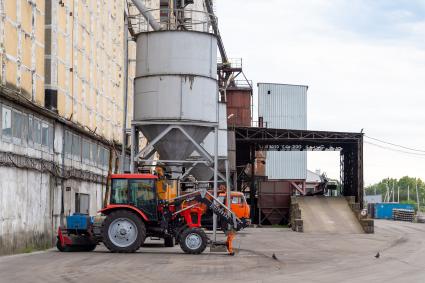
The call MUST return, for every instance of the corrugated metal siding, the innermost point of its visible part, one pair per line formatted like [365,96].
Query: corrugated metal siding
[284,107]
[286,165]
[239,104]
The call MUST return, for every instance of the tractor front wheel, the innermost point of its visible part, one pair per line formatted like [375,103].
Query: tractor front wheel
[193,241]
[123,232]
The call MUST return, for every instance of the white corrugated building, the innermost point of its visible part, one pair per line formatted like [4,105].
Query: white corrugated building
[284,106]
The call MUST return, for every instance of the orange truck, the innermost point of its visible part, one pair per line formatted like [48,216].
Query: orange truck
[238,205]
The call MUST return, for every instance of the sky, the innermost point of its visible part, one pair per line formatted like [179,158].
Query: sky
[364,63]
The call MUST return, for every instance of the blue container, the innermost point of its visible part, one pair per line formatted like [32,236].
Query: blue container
[385,210]
[78,221]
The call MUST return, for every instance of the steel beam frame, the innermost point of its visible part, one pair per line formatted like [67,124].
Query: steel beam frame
[350,146]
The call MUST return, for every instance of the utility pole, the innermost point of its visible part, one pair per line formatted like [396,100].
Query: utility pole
[387,194]
[408,192]
[398,194]
[393,191]
[417,194]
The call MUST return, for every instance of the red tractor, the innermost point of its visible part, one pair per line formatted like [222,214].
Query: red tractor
[135,212]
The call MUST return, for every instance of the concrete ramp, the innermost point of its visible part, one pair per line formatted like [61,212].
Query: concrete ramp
[328,215]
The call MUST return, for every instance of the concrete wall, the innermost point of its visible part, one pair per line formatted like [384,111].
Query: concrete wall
[33,177]
[26,201]
[31,207]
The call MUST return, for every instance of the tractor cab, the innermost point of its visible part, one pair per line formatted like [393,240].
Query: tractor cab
[137,190]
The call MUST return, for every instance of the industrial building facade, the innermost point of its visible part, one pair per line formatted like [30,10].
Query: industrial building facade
[283,106]
[62,80]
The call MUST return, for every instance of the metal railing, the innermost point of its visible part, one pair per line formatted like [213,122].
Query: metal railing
[245,84]
[172,19]
[259,124]
[231,62]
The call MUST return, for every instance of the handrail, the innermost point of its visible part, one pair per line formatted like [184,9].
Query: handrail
[171,19]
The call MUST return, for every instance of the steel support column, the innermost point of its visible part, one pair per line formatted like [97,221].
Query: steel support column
[252,186]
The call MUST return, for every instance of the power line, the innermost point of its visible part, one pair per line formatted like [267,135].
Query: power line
[396,150]
[397,145]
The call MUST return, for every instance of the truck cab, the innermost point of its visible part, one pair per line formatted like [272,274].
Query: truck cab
[238,205]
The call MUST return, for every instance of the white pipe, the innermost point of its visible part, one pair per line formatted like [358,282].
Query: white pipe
[215,178]
[125,89]
[228,200]
[145,12]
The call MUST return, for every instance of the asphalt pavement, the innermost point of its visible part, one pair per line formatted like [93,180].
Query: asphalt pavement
[298,257]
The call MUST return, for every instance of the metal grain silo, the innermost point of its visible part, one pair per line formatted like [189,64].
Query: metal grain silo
[284,106]
[175,91]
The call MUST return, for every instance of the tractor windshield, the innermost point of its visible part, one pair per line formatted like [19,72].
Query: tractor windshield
[132,191]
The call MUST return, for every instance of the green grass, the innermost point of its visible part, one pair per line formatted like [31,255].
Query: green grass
[31,249]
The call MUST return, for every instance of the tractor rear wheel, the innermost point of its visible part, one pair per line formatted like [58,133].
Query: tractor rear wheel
[123,232]
[193,241]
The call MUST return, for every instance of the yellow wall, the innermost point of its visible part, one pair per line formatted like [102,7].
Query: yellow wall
[22,48]
[86,58]
[85,55]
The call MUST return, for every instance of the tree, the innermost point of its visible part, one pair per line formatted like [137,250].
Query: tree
[401,187]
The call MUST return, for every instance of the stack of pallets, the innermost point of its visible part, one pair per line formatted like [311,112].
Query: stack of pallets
[403,215]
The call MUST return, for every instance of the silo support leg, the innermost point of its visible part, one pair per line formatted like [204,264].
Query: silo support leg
[149,147]
[198,147]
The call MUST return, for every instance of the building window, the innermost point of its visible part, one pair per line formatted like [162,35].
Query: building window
[16,126]
[45,134]
[76,147]
[82,203]
[30,130]
[93,154]
[68,144]
[51,137]
[99,157]
[37,131]
[6,122]
[86,151]
[105,158]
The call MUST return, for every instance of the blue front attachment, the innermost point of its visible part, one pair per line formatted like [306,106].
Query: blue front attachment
[78,221]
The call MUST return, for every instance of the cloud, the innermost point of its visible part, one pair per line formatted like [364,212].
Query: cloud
[364,62]
[380,19]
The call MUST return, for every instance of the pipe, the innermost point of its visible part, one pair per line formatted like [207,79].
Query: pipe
[215,178]
[125,89]
[133,148]
[146,14]
[214,24]
[227,183]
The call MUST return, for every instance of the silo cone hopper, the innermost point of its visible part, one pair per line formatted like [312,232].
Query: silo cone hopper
[175,145]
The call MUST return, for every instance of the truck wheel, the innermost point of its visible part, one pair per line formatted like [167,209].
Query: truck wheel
[123,232]
[193,241]
[169,241]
